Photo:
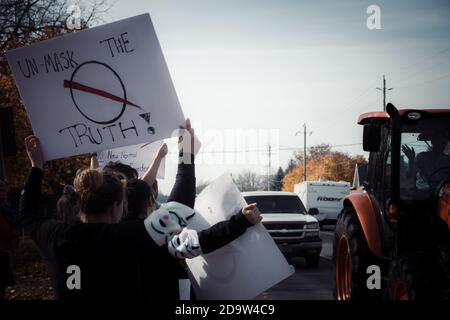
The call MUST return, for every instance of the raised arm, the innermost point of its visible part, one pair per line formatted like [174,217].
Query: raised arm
[31,218]
[183,190]
[411,155]
[150,175]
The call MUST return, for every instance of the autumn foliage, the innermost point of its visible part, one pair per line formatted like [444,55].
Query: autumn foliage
[57,172]
[335,166]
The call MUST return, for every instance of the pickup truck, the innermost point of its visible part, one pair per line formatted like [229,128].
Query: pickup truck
[294,230]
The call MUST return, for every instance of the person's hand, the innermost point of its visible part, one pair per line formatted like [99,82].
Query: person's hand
[188,141]
[251,213]
[409,152]
[162,151]
[33,148]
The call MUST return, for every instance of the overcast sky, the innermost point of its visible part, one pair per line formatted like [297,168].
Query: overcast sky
[271,65]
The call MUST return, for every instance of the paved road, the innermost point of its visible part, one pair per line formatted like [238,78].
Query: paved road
[305,283]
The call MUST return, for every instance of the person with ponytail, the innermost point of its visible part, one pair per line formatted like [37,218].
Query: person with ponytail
[104,253]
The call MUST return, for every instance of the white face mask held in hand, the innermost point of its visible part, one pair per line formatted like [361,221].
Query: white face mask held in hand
[185,245]
[167,221]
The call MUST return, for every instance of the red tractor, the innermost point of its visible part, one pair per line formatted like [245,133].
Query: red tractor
[399,222]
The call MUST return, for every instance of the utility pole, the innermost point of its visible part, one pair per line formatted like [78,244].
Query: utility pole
[384,92]
[305,132]
[268,176]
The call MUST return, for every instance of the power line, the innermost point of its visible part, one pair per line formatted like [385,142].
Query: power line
[426,82]
[365,92]
[421,60]
[424,70]
[266,150]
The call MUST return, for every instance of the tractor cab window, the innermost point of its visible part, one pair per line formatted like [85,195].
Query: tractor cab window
[424,158]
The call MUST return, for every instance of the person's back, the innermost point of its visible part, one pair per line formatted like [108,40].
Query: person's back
[107,264]
[68,205]
[104,253]
[152,287]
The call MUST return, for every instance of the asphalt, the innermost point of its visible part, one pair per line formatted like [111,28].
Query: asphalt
[307,283]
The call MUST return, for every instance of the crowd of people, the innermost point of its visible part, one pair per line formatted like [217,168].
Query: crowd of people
[110,226]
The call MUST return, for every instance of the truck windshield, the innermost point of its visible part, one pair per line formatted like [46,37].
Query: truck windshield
[278,204]
[424,158]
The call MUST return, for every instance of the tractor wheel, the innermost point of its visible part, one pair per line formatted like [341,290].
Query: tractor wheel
[351,257]
[411,278]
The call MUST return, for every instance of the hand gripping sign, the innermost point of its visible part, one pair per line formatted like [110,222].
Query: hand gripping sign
[245,267]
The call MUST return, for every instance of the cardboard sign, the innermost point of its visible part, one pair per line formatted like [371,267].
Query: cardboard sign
[97,89]
[245,267]
[140,157]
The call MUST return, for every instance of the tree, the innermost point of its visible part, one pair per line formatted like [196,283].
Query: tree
[22,20]
[291,165]
[248,181]
[334,166]
[277,181]
[22,23]
[319,151]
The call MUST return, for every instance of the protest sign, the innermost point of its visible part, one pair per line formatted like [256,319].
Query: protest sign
[242,269]
[139,157]
[97,89]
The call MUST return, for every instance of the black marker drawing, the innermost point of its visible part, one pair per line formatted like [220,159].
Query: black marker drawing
[146,117]
[72,84]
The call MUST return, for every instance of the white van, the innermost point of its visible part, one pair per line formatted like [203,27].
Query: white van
[326,196]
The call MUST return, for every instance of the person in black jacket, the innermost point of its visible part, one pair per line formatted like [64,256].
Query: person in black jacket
[107,252]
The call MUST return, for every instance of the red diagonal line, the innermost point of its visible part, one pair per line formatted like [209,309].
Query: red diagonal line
[82,87]
[146,144]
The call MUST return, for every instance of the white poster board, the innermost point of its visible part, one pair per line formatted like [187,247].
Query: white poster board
[97,89]
[140,157]
[242,269]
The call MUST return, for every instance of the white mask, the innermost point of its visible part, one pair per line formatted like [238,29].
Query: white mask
[167,221]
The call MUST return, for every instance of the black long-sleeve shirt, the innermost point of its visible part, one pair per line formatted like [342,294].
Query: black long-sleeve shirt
[108,255]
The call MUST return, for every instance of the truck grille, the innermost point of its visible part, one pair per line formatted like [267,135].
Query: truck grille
[285,230]
[280,234]
[281,226]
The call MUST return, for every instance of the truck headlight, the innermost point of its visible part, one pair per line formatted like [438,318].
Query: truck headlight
[312,226]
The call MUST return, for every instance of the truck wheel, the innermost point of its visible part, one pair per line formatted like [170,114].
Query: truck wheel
[411,278]
[312,261]
[351,257]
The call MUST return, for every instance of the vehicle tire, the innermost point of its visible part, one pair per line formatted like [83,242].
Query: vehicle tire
[351,257]
[312,261]
[413,277]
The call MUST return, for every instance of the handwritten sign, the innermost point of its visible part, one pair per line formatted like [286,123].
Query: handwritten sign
[245,267]
[97,89]
[139,157]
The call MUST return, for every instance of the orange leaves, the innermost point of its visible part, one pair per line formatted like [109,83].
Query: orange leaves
[335,166]
[16,168]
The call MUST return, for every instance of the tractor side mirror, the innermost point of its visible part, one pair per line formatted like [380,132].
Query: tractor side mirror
[313,211]
[371,138]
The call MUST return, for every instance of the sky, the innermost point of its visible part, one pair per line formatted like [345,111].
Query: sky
[262,68]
